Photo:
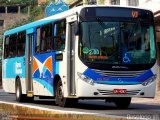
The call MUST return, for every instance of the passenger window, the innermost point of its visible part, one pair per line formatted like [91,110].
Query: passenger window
[46,38]
[37,49]
[21,44]
[12,45]
[60,35]
[6,47]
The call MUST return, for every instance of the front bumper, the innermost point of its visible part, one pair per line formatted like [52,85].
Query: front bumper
[103,90]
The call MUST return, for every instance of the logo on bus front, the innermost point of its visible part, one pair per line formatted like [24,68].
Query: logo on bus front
[134,14]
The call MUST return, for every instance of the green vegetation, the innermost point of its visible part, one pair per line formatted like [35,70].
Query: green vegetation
[36,13]
[13,2]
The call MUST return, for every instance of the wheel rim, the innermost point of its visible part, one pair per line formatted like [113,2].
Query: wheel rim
[60,93]
[17,91]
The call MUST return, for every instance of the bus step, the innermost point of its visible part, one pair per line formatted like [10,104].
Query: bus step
[30,94]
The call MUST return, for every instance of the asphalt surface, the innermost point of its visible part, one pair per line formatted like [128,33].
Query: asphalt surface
[142,109]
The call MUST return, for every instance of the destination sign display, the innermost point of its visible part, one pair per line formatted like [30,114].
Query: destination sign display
[116,12]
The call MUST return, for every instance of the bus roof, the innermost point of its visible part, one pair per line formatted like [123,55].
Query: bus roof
[58,16]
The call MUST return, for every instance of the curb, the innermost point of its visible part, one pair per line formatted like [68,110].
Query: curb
[18,111]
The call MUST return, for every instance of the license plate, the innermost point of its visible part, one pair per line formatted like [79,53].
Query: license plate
[119,91]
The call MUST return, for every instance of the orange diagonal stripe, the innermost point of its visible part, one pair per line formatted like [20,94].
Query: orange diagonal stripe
[35,65]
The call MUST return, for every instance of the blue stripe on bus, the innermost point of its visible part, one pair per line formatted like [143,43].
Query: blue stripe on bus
[98,78]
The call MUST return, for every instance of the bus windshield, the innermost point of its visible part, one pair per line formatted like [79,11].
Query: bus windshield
[117,42]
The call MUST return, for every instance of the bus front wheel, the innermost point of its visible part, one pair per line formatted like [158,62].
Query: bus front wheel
[60,99]
[122,103]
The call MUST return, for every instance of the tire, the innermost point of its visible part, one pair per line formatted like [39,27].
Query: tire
[19,96]
[123,103]
[60,99]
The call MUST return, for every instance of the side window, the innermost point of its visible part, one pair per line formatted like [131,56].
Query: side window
[60,35]
[12,45]
[21,44]
[6,47]
[46,38]
[37,49]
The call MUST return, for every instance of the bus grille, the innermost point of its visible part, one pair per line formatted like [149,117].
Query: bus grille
[109,92]
[119,73]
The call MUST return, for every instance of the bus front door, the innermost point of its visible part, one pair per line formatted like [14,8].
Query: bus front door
[71,61]
[29,59]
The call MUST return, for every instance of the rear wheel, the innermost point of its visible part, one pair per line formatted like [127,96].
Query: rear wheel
[123,103]
[60,99]
[19,96]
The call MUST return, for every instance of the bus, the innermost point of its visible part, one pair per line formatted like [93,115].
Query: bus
[87,52]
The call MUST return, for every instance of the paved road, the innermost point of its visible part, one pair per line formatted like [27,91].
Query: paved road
[94,106]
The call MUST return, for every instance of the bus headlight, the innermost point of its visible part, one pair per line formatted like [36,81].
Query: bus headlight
[85,78]
[149,81]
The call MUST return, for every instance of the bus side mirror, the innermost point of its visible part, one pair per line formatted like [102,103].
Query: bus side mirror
[76,28]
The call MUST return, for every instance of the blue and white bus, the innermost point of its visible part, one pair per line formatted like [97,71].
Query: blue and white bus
[98,52]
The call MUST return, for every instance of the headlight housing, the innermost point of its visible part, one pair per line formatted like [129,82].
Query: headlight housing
[85,78]
[150,80]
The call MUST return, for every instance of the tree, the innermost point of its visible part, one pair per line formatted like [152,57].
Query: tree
[35,14]
[14,2]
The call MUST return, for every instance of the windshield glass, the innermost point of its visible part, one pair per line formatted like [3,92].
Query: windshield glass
[117,42]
